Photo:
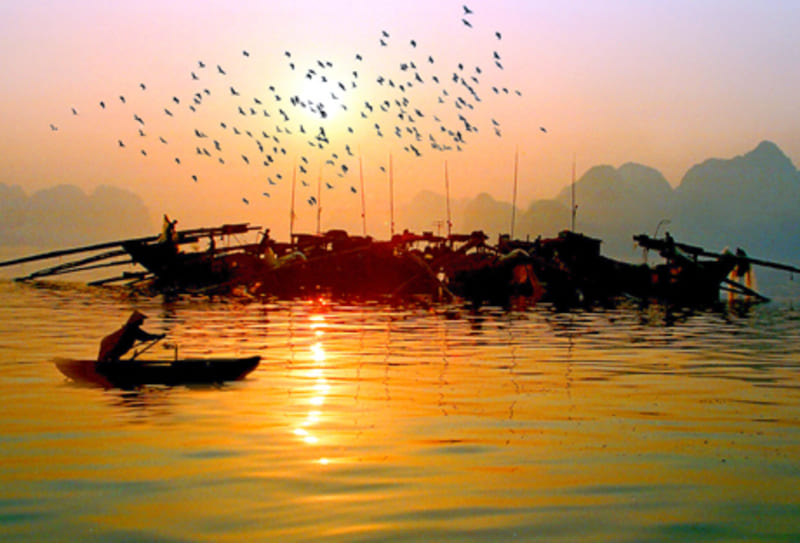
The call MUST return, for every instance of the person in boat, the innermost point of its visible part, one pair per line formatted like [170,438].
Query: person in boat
[115,345]
[169,234]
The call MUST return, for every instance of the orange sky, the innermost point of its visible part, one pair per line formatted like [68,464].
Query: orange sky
[666,84]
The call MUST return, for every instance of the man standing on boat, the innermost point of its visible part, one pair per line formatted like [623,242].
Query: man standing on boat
[113,346]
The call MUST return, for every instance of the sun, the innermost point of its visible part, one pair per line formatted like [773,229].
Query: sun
[321,100]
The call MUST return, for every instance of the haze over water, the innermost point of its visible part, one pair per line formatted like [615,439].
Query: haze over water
[373,423]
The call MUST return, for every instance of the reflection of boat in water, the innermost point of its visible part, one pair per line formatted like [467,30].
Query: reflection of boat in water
[134,373]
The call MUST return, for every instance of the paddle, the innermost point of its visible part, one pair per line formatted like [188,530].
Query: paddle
[137,353]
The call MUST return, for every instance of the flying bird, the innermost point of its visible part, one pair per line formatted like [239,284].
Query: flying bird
[467,11]
[142,85]
[246,201]
[466,23]
[53,127]
[220,70]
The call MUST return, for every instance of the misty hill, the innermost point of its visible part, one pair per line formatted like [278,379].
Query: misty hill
[63,216]
[749,201]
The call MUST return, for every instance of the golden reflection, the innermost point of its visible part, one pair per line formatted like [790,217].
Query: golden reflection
[319,388]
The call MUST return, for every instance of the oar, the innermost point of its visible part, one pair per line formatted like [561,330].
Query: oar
[137,353]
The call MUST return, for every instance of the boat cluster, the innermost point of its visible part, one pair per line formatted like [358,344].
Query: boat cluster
[568,269]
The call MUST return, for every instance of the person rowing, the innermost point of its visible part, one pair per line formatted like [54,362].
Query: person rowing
[115,345]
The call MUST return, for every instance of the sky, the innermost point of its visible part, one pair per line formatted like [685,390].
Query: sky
[326,104]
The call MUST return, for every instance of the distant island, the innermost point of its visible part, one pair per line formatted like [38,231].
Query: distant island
[65,216]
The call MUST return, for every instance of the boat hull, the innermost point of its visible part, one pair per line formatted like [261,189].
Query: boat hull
[135,373]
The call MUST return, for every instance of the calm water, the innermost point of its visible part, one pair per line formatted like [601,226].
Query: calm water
[372,423]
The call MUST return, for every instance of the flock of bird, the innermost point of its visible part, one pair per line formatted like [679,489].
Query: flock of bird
[417,105]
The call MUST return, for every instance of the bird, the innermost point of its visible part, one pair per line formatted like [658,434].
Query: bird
[201,64]
[498,35]
[168,112]
[177,160]
[53,127]
[194,178]
[102,104]
[194,76]
[246,201]
[466,23]
[74,111]
[175,99]
[467,11]
[246,53]
[138,119]
[543,129]
[352,189]
[265,194]
[234,92]
[220,70]
[122,99]
[142,85]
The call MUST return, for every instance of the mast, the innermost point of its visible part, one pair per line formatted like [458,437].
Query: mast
[447,197]
[319,199]
[363,201]
[391,196]
[573,207]
[291,214]
[514,199]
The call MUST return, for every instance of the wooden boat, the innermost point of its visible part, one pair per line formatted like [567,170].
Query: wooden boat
[135,373]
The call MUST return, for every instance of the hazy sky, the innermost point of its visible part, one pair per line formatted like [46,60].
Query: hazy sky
[664,83]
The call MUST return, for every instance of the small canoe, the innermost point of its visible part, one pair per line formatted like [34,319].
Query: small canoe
[134,373]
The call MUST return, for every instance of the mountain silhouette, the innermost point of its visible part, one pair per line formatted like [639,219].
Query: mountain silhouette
[749,201]
[63,216]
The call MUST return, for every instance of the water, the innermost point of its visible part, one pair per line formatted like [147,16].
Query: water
[373,423]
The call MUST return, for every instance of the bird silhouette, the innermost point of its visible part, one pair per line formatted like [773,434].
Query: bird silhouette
[142,85]
[220,70]
[53,127]
[467,11]
[498,35]
[246,53]
[201,64]
[246,201]
[466,23]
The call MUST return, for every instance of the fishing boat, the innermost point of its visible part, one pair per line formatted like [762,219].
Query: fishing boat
[135,373]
